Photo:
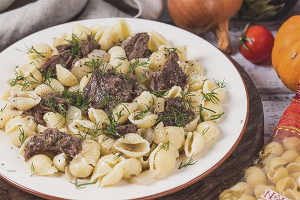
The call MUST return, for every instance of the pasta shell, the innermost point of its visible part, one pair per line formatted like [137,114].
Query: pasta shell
[243,188]
[99,55]
[120,31]
[54,120]
[290,155]
[208,129]
[182,52]
[157,60]
[84,129]
[209,86]
[74,88]
[118,59]
[44,49]
[133,167]
[175,135]
[80,68]
[146,122]
[41,165]
[291,194]
[80,31]
[31,73]
[107,145]
[115,175]
[122,111]
[95,28]
[73,113]
[286,183]
[132,145]
[275,175]
[98,116]
[106,39]
[192,125]
[159,105]
[90,151]
[255,176]
[193,144]
[60,161]
[145,100]
[293,170]
[144,177]
[159,133]
[60,40]
[65,76]
[79,167]
[261,189]
[84,81]
[195,66]
[24,100]
[105,164]
[164,162]
[291,143]
[8,112]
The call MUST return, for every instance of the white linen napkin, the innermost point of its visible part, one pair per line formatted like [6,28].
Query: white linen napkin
[18,23]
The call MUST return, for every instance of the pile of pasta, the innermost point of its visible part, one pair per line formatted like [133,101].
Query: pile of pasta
[276,174]
[149,153]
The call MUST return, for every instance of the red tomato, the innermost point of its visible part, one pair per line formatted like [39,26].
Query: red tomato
[260,47]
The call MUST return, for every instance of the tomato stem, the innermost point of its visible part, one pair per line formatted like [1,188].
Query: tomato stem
[243,38]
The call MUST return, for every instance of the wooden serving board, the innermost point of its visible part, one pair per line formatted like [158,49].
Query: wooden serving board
[212,185]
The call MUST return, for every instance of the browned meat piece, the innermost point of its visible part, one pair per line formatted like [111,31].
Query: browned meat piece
[174,107]
[47,104]
[173,56]
[136,47]
[88,45]
[106,88]
[170,75]
[121,129]
[52,139]
[124,129]
[66,54]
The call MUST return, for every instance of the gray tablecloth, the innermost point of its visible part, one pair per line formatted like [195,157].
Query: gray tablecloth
[18,23]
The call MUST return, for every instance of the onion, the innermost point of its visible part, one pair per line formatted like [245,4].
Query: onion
[201,16]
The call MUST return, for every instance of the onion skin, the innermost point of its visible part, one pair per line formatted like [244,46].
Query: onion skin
[201,16]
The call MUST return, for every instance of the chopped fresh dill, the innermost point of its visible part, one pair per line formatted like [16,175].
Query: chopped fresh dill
[241,121]
[186,100]
[121,58]
[33,50]
[142,114]
[22,136]
[159,93]
[165,146]
[75,40]
[96,65]
[80,185]
[33,172]
[209,109]
[104,139]
[221,84]
[172,49]
[83,137]
[3,108]
[190,162]
[205,130]
[118,156]
[95,130]
[211,96]
[179,118]
[62,110]
[200,113]
[215,117]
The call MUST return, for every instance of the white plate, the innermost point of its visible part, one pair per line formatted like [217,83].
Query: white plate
[232,125]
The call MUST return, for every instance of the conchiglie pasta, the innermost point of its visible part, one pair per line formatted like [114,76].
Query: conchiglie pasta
[261,189]
[120,30]
[132,145]
[123,110]
[291,194]
[31,73]
[90,151]
[133,167]
[119,60]
[44,49]
[175,136]
[290,155]
[157,60]
[74,88]
[107,145]
[193,144]
[98,116]
[24,100]
[159,105]
[291,143]
[60,161]
[192,125]
[52,85]
[73,113]
[293,169]
[158,37]
[82,128]
[106,39]
[146,121]
[100,56]
[243,188]
[195,66]
[54,120]
[145,100]
[272,148]
[275,175]
[60,40]
[175,91]
[209,86]
[8,112]
[208,129]
[65,77]
[81,67]
[41,165]
[80,31]
[255,176]
[285,184]
[164,162]
[215,110]
[84,81]
[182,52]
[115,175]
[79,167]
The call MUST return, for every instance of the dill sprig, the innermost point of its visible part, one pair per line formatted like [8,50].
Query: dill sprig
[76,99]
[80,185]
[33,50]
[177,116]
[186,100]
[165,146]
[159,93]
[75,41]
[96,65]
[3,108]
[200,113]
[172,49]
[95,130]
[118,156]
[205,130]
[211,96]
[142,114]
[22,136]
[190,162]
[33,172]
[221,84]
[215,117]
[134,65]
[104,139]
